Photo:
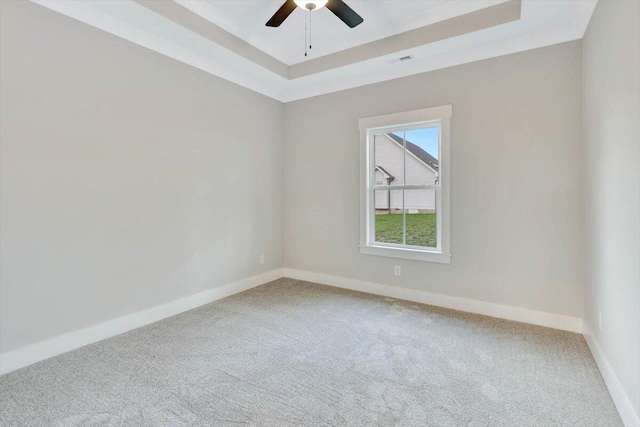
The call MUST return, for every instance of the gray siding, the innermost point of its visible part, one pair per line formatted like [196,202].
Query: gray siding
[390,156]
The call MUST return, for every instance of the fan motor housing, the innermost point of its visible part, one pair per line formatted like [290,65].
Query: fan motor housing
[337,7]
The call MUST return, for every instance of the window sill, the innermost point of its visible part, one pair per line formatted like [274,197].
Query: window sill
[404,253]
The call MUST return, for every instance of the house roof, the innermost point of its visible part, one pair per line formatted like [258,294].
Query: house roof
[385,173]
[425,157]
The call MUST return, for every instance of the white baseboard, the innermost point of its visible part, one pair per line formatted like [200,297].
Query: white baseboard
[25,356]
[622,402]
[541,318]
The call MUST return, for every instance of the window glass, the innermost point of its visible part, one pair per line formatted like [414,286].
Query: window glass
[389,160]
[388,216]
[421,218]
[421,156]
[406,158]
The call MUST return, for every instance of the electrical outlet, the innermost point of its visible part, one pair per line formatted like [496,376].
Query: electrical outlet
[600,320]
[397,270]
[262,259]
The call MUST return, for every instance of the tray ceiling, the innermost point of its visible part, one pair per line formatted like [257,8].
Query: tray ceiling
[383,18]
[228,38]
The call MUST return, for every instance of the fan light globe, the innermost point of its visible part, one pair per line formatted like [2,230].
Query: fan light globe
[311,4]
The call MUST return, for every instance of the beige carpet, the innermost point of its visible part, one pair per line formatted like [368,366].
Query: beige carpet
[291,353]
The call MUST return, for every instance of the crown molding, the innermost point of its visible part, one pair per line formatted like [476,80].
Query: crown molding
[201,26]
[205,10]
[133,22]
[467,23]
[220,62]
[507,47]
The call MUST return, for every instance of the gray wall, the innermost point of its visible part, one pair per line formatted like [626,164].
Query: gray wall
[516,189]
[127,179]
[611,133]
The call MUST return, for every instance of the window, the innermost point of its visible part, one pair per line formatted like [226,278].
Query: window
[404,205]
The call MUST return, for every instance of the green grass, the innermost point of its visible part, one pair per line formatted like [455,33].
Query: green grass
[421,229]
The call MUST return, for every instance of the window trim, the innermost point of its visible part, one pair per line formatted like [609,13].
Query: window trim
[405,120]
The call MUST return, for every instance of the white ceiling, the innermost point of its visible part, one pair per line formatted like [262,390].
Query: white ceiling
[383,18]
[542,23]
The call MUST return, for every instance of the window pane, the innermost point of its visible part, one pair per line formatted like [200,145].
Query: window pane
[422,155]
[421,218]
[388,218]
[389,160]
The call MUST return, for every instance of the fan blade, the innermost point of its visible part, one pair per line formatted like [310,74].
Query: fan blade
[282,14]
[345,13]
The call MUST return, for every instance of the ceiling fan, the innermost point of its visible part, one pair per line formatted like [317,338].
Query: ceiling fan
[338,7]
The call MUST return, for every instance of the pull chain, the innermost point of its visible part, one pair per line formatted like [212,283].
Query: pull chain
[306,18]
[309,30]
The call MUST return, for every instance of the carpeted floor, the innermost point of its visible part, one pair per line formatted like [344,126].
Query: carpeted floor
[291,353]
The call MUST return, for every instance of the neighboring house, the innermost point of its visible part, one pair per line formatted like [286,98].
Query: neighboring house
[421,168]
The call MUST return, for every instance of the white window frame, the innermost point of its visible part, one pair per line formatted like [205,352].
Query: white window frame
[440,116]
